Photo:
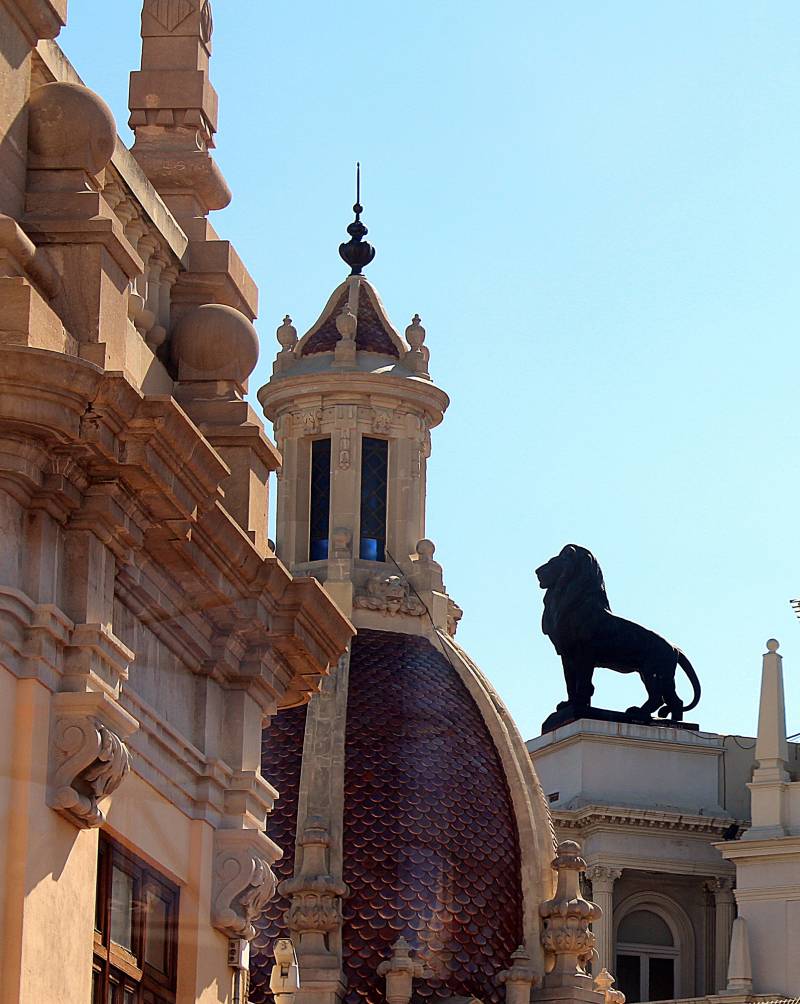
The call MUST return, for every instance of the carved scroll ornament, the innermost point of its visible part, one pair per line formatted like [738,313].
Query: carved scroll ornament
[244,884]
[91,762]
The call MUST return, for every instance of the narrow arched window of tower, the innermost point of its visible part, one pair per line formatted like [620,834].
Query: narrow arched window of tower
[320,510]
[374,478]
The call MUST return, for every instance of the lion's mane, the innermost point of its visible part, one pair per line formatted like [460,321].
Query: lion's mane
[578,597]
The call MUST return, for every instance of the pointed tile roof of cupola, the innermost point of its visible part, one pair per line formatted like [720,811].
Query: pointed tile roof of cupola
[374,331]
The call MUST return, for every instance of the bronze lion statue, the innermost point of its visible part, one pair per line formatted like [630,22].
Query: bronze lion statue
[578,621]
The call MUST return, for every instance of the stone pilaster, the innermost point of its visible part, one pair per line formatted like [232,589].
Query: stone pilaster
[725,912]
[603,878]
[317,889]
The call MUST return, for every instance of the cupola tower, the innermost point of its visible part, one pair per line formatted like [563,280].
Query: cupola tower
[415,834]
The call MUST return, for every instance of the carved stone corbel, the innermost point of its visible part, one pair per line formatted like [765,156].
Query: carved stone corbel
[88,754]
[243,880]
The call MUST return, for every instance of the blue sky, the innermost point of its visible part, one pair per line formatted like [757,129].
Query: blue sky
[594,208]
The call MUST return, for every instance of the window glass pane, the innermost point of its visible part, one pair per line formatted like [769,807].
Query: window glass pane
[130,997]
[122,908]
[661,983]
[320,499]
[643,927]
[374,476]
[628,977]
[157,919]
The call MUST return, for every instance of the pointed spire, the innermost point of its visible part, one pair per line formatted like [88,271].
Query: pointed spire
[357,252]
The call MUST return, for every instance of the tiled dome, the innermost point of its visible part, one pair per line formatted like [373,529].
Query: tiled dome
[281,759]
[431,850]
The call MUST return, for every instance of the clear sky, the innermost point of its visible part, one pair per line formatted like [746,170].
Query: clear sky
[594,208]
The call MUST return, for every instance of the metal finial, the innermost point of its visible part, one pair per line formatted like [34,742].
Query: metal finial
[357,252]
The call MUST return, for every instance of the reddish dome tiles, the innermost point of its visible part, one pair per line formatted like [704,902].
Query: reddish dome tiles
[430,843]
[281,758]
[371,333]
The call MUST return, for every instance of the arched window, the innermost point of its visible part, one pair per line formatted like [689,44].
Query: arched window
[649,954]
[320,509]
[374,479]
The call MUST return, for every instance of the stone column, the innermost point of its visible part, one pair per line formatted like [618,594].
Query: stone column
[725,912]
[603,878]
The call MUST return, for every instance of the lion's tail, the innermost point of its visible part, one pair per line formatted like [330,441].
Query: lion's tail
[687,667]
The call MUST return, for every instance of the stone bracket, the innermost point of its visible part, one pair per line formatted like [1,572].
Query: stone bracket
[243,880]
[88,754]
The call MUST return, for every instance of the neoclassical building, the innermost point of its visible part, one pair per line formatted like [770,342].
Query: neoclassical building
[147,630]
[211,744]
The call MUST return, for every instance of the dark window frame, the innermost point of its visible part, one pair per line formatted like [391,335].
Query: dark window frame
[319,500]
[373,499]
[119,975]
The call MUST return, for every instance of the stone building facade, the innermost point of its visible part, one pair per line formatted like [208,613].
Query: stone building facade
[147,629]
[675,852]
[197,755]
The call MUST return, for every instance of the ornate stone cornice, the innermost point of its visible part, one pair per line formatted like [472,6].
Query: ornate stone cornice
[600,816]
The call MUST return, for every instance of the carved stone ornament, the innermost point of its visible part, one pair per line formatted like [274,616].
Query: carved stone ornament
[90,763]
[309,420]
[566,938]
[382,419]
[169,13]
[206,22]
[243,885]
[316,903]
[390,594]
[345,452]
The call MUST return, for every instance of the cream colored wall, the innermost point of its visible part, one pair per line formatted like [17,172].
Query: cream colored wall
[182,849]
[49,867]
[768,897]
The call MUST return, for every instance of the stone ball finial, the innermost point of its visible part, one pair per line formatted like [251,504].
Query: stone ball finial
[773,645]
[70,128]
[426,549]
[415,333]
[215,342]
[287,334]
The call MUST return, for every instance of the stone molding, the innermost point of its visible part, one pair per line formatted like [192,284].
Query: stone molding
[243,880]
[38,19]
[88,754]
[653,819]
